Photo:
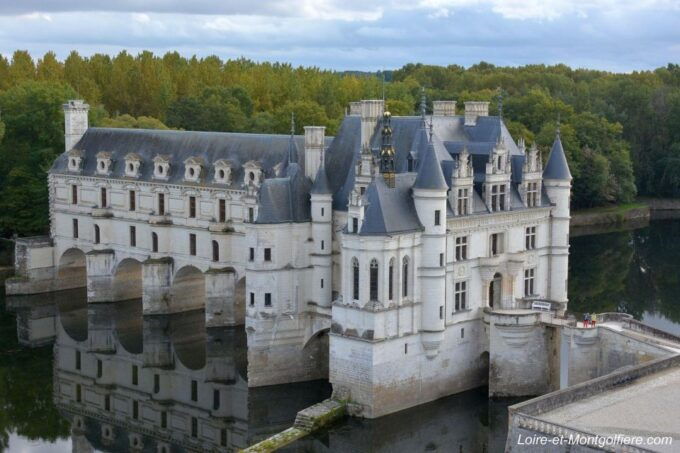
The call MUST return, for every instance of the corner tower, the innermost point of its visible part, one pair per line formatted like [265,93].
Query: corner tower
[75,122]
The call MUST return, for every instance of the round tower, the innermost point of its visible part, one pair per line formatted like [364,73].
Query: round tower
[429,193]
[322,230]
[557,182]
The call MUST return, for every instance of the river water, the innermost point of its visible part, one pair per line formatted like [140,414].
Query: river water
[52,393]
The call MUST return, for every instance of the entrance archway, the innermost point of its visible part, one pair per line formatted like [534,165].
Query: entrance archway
[188,290]
[495,288]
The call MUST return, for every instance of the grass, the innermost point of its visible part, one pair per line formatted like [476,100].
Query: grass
[612,209]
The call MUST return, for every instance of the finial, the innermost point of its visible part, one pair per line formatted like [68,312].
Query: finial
[423,103]
[383,87]
[292,123]
[557,131]
[431,129]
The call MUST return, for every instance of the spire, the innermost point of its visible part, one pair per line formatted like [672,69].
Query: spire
[321,185]
[557,166]
[423,103]
[292,147]
[430,175]
[387,168]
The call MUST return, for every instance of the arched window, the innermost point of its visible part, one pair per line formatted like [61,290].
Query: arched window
[355,279]
[97,235]
[215,251]
[374,279]
[154,242]
[390,278]
[404,277]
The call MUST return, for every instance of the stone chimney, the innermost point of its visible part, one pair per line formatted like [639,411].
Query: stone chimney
[315,138]
[371,112]
[443,108]
[75,122]
[355,108]
[474,109]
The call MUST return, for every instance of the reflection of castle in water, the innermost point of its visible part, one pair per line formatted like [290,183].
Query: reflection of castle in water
[162,383]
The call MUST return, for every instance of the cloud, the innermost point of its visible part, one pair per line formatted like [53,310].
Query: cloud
[357,34]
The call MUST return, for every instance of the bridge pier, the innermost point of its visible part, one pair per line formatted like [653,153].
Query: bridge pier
[222,307]
[101,326]
[157,285]
[100,265]
[157,345]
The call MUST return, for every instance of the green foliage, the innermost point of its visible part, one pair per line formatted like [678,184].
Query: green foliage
[130,122]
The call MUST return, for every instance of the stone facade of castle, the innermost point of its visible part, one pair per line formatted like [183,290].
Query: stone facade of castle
[399,259]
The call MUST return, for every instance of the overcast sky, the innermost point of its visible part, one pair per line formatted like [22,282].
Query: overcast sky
[617,35]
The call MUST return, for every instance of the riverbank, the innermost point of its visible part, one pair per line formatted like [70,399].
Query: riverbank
[610,215]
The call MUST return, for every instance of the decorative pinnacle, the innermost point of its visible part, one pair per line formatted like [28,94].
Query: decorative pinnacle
[557,131]
[431,129]
[423,103]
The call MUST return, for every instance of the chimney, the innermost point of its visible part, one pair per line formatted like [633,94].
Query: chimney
[473,109]
[371,112]
[315,138]
[444,108]
[355,108]
[75,122]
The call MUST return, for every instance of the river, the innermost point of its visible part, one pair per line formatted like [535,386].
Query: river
[79,356]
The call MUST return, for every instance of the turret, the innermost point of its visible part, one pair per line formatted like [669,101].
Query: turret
[387,168]
[75,122]
[429,193]
[557,183]
[322,230]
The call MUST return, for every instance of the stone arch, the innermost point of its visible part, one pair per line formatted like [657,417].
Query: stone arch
[316,350]
[72,311]
[188,290]
[188,336]
[72,271]
[127,280]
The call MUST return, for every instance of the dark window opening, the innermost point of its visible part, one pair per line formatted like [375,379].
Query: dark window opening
[223,210]
[74,194]
[355,279]
[75,228]
[133,200]
[267,299]
[192,207]
[373,280]
[77,360]
[161,204]
[216,399]
[154,242]
[156,383]
[267,254]
[252,299]
[133,236]
[215,251]
[194,390]
[97,236]
[192,244]
[437,217]
[135,375]
[103,198]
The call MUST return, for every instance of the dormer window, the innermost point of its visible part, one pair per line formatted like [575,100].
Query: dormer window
[161,167]
[222,172]
[192,169]
[132,165]
[75,160]
[252,173]
[103,163]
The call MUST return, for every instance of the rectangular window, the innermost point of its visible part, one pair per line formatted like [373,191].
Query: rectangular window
[267,254]
[441,312]
[323,244]
[74,194]
[135,410]
[405,348]
[252,299]
[154,242]
[194,427]
[437,217]
[251,215]
[494,198]
[461,248]
[267,299]
[97,235]
[103,197]
[529,281]
[530,238]
[323,210]
[501,199]
[355,281]
[462,332]
[460,295]
[496,246]
[77,360]
[463,203]
[135,375]
[133,200]
[216,399]
[156,383]
[99,368]
[223,210]
[164,419]
[532,194]
[133,236]
[161,204]
[355,225]
[75,228]
[79,393]
[251,254]
[322,283]
[192,244]
[223,437]
[107,403]
[194,390]
[498,197]
[390,282]
[192,207]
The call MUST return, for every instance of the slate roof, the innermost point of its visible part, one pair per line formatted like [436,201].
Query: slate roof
[285,200]
[390,210]
[238,148]
[557,166]
[321,185]
[430,175]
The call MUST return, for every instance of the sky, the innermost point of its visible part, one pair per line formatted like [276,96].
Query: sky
[614,35]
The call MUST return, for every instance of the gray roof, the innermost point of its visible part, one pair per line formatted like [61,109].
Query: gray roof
[321,185]
[430,175]
[285,200]
[238,148]
[390,210]
[557,166]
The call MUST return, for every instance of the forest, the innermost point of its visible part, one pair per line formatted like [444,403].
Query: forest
[621,131]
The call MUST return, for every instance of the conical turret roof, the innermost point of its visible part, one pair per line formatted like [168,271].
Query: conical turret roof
[430,175]
[557,166]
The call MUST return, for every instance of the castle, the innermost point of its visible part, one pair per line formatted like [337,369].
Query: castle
[389,259]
